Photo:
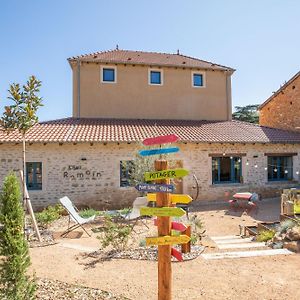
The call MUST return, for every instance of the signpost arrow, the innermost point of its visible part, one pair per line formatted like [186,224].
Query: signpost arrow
[155,188]
[175,226]
[162,211]
[158,151]
[164,139]
[175,198]
[167,240]
[176,254]
[171,173]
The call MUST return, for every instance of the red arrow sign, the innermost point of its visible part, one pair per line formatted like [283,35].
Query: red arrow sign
[175,226]
[176,254]
[164,139]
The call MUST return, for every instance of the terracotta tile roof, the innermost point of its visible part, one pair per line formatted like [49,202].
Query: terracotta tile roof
[149,58]
[279,90]
[123,130]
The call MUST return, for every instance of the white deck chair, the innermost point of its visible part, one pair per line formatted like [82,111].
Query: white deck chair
[74,216]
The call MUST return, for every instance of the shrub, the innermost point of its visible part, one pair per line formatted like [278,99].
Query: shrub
[115,235]
[265,235]
[287,224]
[14,282]
[89,212]
[49,215]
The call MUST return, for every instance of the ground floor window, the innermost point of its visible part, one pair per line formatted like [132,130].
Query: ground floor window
[280,168]
[126,171]
[226,169]
[34,175]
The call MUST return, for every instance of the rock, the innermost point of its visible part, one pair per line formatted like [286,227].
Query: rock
[292,246]
[293,234]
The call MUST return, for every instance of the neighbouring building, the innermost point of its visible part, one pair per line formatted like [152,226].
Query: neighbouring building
[121,97]
[282,109]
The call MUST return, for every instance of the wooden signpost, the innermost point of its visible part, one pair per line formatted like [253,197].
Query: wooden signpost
[175,198]
[165,174]
[164,210]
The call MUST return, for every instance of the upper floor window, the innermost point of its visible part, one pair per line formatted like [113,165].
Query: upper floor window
[108,74]
[155,77]
[198,79]
[226,169]
[34,175]
[280,168]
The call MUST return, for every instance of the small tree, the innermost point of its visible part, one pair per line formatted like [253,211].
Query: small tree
[15,284]
[21,115]
[248,113]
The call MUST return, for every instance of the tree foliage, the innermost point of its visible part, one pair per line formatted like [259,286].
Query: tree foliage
[248,113]
[15,284]
[21,115]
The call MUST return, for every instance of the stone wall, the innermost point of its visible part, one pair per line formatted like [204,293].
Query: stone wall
[90,174]
[283,110]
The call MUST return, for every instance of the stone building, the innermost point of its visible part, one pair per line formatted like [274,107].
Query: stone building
[282,109]
[122,97]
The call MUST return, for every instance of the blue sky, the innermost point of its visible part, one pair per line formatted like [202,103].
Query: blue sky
[260,39]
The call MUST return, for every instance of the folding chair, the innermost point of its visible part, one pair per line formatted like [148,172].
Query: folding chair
[74,216]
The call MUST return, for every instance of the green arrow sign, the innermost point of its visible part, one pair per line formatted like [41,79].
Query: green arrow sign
[162,211]
[172,173]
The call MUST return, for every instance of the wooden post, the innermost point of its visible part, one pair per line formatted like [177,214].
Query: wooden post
[27,204]
[164,228]
[186,248]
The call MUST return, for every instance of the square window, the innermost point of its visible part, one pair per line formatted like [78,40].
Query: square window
[155,77]
[108,75]
[126,171]
[226,169]
[34,175]
[197,79]
[280,168]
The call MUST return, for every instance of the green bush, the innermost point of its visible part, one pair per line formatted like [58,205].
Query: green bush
[265,235]
[287,224]
[115,235]
[15,284]
[89,212]
[49,215]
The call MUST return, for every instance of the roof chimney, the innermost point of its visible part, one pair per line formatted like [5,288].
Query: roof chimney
[178,52]
[117,47]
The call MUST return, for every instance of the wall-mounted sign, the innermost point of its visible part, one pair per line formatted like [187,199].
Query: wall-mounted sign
[77,172]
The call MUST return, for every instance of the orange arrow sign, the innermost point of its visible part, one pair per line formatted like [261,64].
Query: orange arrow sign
[175,198]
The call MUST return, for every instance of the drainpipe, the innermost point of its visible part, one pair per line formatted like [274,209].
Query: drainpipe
[228,95]
[78,88]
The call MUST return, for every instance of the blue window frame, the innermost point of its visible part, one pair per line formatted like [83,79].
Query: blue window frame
[108,75]
[126,169]
[34,175]
[280,168]
[197,79]
[226,169]
[155,77]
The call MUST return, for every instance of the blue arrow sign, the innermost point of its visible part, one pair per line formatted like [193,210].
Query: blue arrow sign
[155,188]
[158,151]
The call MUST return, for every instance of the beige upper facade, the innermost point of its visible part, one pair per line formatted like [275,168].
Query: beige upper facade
[132,96]
[282,109]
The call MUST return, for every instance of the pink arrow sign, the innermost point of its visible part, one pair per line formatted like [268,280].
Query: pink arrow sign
[176,254]
[175,226]
[164,139]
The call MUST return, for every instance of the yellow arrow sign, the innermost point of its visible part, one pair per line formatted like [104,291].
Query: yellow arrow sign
[167,240]
[175,198]
[172,173]
[162,211]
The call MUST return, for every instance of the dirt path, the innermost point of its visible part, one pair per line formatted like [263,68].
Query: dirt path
[248,278]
